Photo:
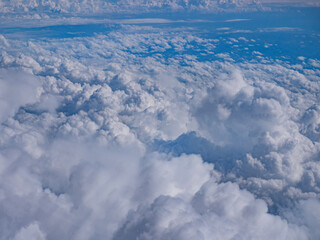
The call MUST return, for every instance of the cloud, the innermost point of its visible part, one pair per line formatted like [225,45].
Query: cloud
[101,192]
[279,29]
[34,9]
[306,214]
[291,2]
[30,232]
[255,124]
[28,6]
[222,211]
[16,90]
[156,134]
[90,188]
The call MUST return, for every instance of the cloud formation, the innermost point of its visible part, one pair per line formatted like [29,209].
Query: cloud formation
[98,192]
[134,134]
[120,6]
[16,89]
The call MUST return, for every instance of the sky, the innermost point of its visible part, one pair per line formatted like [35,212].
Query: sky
[160,124]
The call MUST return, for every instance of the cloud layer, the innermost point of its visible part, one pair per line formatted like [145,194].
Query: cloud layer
[40,8]
[120,6]
[135,134]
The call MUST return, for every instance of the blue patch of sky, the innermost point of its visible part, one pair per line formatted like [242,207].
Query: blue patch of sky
[283,35]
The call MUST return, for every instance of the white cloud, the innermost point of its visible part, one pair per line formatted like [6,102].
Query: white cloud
[259,119]
[34,6]
[307,214]
[16,89]
[292,2]
[93,186]
[102,148]
[30,232]
[96,191]
[35,9]
[222,211]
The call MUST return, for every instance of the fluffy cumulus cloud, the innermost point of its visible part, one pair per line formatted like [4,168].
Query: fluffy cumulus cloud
[149,133]
[256,122]
[219,211]
[122,5]
[88,187]
[16,89]
[291,2]
[37,9]
[86,191]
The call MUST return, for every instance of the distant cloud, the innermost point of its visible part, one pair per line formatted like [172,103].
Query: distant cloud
[36,9]
[29,6]
[292,2]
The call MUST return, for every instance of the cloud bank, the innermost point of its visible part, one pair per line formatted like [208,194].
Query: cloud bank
[40,8]
[120,6]
[131,134]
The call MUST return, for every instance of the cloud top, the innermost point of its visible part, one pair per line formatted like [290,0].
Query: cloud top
[148,132]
